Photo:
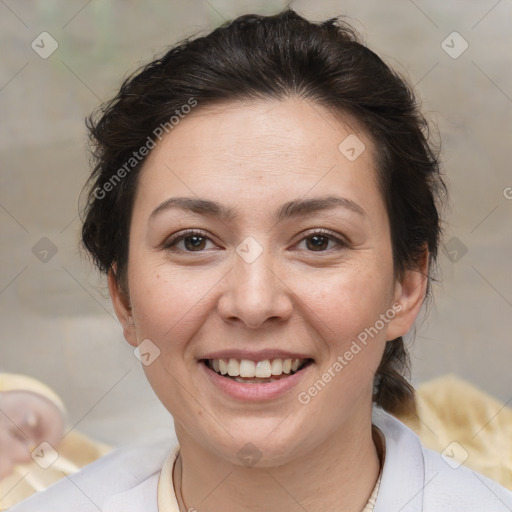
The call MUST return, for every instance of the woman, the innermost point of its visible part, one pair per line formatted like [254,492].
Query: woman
[265,205]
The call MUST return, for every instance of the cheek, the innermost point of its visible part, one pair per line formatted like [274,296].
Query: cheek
[163,300]
[345,311]
[346,302]
[346,314]
[170,306]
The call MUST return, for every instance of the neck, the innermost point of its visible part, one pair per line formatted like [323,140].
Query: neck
[339,474]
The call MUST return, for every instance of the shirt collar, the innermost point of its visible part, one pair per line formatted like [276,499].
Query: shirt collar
[404,467]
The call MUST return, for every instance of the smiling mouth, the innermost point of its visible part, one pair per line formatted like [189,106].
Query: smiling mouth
[256,372]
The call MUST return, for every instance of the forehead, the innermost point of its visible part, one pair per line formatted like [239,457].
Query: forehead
[271,148]
[293,130]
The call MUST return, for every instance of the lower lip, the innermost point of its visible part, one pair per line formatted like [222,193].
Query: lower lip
[252,391]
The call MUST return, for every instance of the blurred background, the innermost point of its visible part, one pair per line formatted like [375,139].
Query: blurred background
[59,60]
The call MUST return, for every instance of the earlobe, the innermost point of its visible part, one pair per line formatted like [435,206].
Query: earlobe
[122,308]
[410,294]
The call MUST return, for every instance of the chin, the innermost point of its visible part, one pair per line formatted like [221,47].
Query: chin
[262,443]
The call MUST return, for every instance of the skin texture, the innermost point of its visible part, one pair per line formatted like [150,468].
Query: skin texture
[253,157]
[18,433]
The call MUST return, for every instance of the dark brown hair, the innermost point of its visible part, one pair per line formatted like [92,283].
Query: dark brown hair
[280,56]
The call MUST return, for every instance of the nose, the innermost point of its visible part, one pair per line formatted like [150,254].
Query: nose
[255,293]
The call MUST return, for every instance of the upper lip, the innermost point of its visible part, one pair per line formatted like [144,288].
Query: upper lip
[259,355]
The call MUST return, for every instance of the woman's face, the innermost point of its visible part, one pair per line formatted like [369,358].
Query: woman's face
[281,251]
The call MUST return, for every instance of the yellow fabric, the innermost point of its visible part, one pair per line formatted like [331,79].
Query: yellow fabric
[18,382]
[451,410]
[75,451]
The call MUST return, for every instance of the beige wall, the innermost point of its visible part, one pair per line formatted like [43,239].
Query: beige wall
[56,322]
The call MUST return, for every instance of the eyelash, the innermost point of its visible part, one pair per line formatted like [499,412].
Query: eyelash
[170,243]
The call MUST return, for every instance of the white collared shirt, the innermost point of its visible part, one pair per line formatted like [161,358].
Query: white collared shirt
[414,479]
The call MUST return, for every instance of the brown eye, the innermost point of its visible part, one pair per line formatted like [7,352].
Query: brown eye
[194,243]
[319,242]
[189,241]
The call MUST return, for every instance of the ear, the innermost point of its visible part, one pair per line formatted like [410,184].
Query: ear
[409,296]
[122,307]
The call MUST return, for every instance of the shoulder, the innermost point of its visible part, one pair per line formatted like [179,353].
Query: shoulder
[451,486]
[417,479]
[127,476]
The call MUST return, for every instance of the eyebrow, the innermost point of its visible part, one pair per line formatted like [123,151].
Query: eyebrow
[291,209]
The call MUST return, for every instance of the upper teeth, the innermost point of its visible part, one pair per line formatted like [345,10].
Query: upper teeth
[247,368]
